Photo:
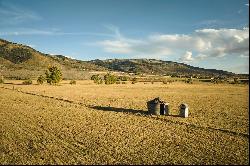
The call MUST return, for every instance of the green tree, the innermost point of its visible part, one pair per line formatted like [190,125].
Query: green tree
[97,79]
[94,77]
[53,75]
[41,79]
[27,82]
[109,79]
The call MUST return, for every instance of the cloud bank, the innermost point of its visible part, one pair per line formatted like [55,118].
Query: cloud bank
[201,44]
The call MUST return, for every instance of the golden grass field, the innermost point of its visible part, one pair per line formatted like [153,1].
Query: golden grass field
[107,124]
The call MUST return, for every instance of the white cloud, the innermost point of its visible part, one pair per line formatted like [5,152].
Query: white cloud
[53,54]
[187,57]
[247,4]
[116,46]
[201,56]
[49,32]
[70,57]
[137,48]
[31,45]
[25,31]
[114,29]
[202,44]
[244,56]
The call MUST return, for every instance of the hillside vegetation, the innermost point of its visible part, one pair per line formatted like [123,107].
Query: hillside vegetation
[18,61]
[158,67]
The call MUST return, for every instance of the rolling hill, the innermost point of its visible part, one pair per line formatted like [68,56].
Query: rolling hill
[18,61]
[158,67]
[20,56]
[21,61]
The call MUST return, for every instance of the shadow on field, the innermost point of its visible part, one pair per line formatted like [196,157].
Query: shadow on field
[119,110]
[10,83]
[174,115]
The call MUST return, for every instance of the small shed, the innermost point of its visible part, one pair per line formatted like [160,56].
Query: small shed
[157,107]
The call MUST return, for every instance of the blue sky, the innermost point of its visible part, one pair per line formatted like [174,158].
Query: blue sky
[204,33]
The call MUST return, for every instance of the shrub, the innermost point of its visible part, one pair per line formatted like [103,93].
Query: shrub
[165,82]
[124,83]
[53,75]
[189,81]
[109,79]
[134,79]
[236,81]
[123,78]
[1,80]
[27,82]
[134,82]
[41,79]
[118,82]
[16,78]
[72,82]
[97,79]
[216,81]
[94,77]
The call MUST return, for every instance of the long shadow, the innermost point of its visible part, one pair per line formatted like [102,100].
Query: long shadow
[10,83]
[174,115]
[133,111]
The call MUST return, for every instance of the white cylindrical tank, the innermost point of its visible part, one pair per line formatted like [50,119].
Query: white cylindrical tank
[184,110]
[167,111]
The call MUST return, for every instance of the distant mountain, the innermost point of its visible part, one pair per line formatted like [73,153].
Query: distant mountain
[24,61]
[158,67]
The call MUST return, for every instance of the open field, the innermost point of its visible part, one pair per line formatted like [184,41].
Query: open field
[108,124]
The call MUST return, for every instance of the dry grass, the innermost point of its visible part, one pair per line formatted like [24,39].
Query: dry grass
[114,129]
